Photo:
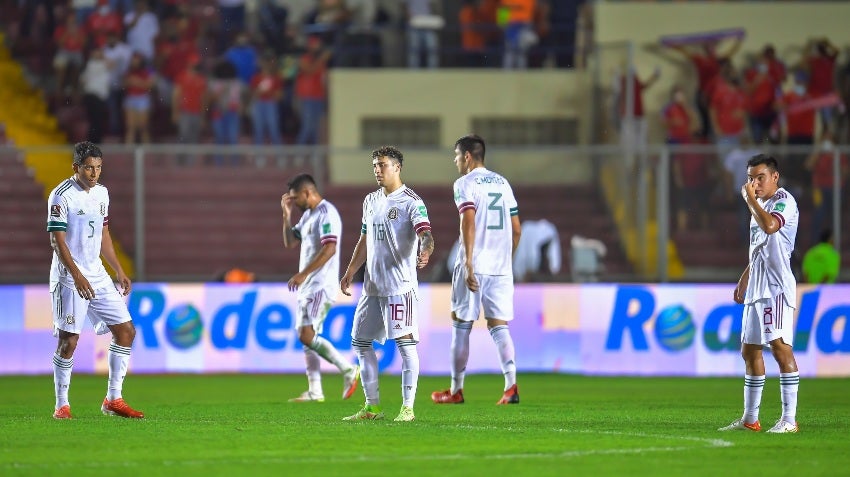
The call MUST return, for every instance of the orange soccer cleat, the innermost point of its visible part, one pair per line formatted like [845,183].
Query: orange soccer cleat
[118,407]
[63,412]
[446,397]
[511,396]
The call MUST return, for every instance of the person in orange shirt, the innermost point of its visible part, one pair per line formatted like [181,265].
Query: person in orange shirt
[477,26]
[518,18]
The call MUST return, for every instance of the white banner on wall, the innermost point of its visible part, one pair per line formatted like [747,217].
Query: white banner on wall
[686,330]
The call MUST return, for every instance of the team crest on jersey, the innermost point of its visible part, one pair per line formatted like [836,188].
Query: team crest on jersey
[55,210]
[103,209]
[69,319]
[392,214]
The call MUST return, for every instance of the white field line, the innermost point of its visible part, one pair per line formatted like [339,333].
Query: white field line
[694,443]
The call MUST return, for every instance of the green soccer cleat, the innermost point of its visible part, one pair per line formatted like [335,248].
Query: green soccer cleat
[370,412]
[405,415]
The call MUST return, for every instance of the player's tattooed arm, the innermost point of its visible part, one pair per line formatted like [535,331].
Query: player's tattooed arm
[426,248]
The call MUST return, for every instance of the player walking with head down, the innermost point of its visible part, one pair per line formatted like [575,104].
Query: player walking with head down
[483,273]
[768,291]
[395,225]
[318,231]
[78,222]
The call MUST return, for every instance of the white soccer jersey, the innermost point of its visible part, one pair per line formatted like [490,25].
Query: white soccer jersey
[315,229]
[770,255]
[492,199]
[82,216]
[392,224]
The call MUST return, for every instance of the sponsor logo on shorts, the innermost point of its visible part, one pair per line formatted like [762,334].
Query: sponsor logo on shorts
[397,326]
[69,319]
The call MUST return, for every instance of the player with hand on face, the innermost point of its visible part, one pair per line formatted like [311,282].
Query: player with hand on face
[768,290]
[318,231]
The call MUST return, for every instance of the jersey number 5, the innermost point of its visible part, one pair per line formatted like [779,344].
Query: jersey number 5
[499,209]
[91,225]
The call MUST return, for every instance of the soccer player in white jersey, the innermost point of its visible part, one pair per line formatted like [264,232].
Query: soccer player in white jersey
[318,231]
[78,222]
[768,291]
[395,240]
[483,272]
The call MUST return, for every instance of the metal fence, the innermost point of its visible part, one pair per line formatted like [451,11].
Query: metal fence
[677,210]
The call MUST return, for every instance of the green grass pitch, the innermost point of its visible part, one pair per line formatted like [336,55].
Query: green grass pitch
[234,425]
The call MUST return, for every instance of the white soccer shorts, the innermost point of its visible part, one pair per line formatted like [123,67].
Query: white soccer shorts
[377,318]
[312,310]
[767,320]
[495,295]
[70,310]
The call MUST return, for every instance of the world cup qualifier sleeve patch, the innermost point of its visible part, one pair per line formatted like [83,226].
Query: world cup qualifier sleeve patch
[55,210]
[780,207]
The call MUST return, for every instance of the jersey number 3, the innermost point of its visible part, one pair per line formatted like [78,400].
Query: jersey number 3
[498,208]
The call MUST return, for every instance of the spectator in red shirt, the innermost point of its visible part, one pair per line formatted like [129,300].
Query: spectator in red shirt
[820,163]
[310,89]
[820,62]
[775,66]
[798,129]
[138,83]
[708,63]
[189,103]
[103,22]
[68,62]
[266,91]
[728,113]
[679,118]
[173,53]
[633,129]
[761,88]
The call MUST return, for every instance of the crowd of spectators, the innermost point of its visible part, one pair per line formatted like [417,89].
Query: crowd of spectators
[741,106]
[214,70]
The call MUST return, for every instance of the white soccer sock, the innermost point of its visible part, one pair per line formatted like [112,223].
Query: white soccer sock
[460,352]
[62,378]
[753,386]
[368,369]
[409,370]
[119,358]
[502,337]
[789,383]
[314,374]
[327,351]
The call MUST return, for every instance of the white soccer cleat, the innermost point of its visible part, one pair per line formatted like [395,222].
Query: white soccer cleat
[783,427]
[740,425]
[307,396]
[349,382]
